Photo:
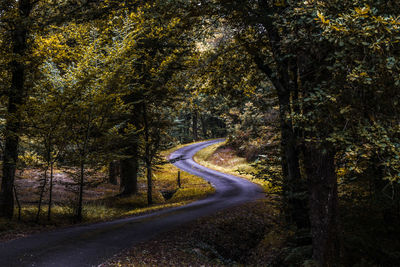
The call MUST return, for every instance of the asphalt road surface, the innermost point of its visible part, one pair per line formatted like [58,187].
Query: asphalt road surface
[90,245]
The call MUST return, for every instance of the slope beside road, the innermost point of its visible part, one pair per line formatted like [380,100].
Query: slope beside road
[90,245]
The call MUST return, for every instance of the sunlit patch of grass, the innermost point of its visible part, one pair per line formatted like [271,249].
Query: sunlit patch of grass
[223,159]
[153,208]
[184,194]
[192,187]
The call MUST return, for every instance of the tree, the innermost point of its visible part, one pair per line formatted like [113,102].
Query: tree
[18,36]
[19,22]
[148,50]
[267,31]
[313,67]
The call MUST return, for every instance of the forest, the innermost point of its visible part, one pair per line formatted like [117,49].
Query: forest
[95,94]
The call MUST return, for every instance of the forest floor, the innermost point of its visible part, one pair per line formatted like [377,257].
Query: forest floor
[100,203]
[241,235]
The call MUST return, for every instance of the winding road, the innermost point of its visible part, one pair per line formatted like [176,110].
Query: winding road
[90,245]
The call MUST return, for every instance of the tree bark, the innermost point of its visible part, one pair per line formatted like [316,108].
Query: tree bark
[320,170]
[15,99]
[113,172]
[129,171]
[194,126]
[50,191]
[203,126]
[80,194]
[147,157]
[294,188]
[149,183]
[42,189]
[18,203]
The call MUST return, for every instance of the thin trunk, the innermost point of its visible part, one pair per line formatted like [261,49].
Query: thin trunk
[82,160]
[50,191]
[179,179]
[186,129]
[203,126]
[123,179]
[149,183]
[194,125]
[18,203]
[147,157]
[80,197]
[320,169]
[112,173]
[15,99]
[129,170]
[42,189]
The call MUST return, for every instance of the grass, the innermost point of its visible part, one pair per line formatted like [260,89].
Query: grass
[224,159]
[166,194]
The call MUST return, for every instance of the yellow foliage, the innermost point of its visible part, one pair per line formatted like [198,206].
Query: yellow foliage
[363,11]
[322,18]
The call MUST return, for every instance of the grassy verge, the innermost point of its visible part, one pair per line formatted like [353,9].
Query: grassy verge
[107,206]
[224,159]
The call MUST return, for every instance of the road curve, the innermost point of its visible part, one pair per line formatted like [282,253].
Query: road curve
[90,245]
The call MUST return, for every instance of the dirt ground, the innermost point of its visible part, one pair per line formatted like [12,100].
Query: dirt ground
[29,182]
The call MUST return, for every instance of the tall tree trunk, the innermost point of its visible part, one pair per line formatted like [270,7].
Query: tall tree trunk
[42,189]
[294,188]
[186,129]
[15,99]
[285,84]
[18,203]
[80,193]
[147,156]
[129,171]
[149,183]
[203,126]
[112,172]
[194,126]
[50,191]
[320,169]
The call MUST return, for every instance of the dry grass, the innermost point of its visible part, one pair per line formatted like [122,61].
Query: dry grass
[224,159]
